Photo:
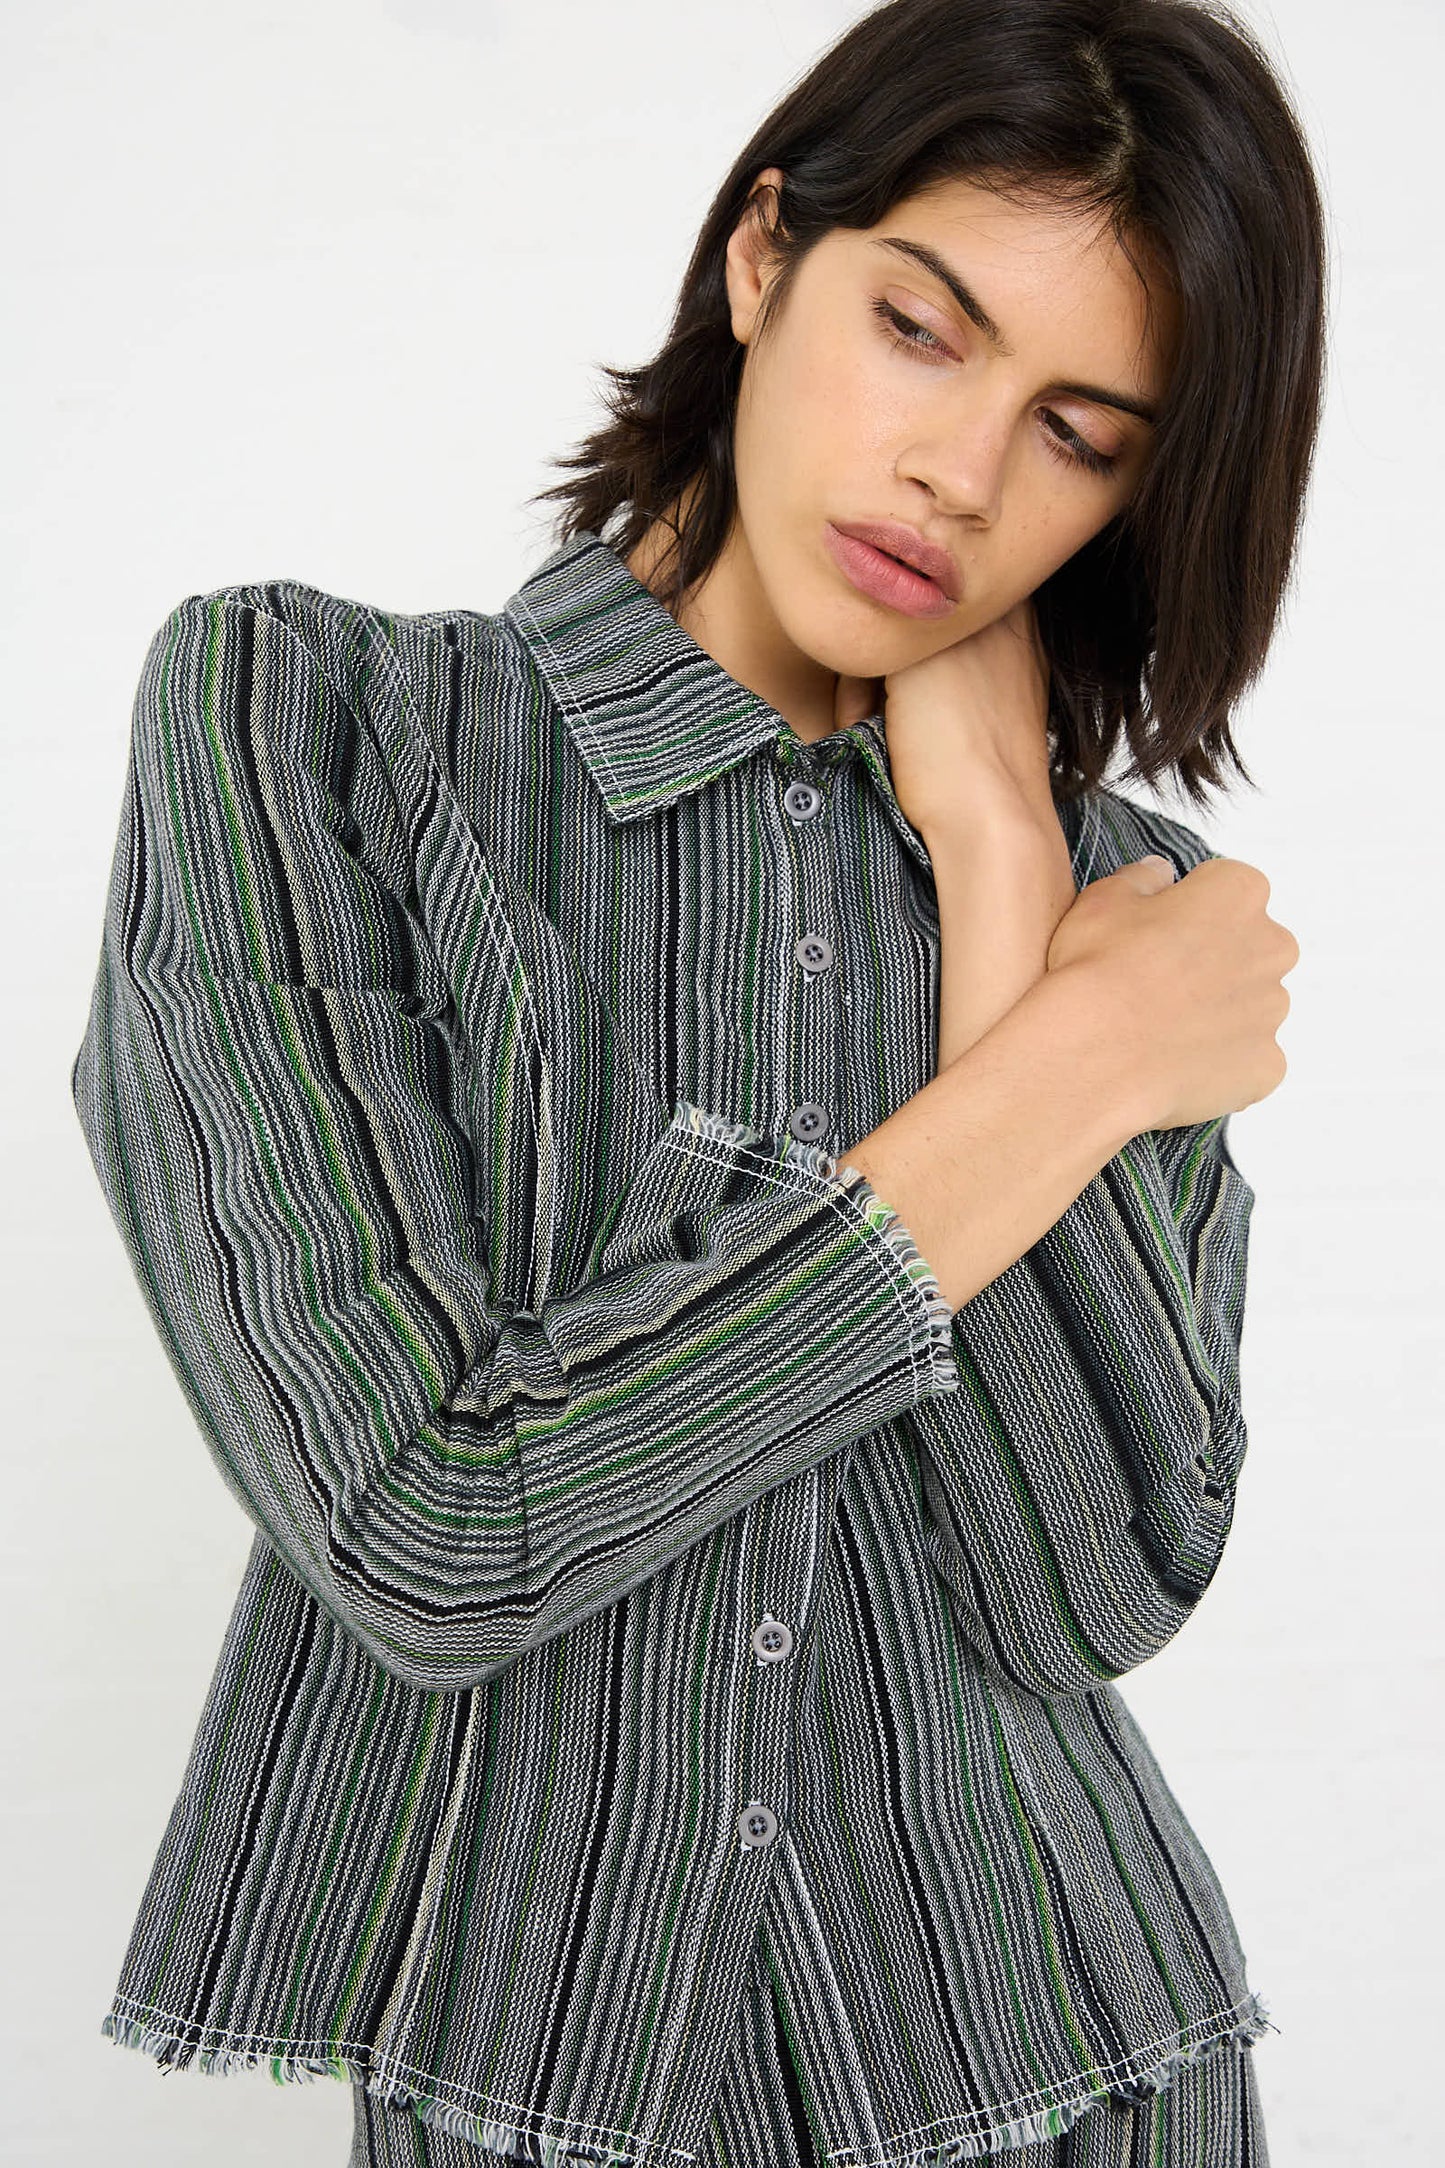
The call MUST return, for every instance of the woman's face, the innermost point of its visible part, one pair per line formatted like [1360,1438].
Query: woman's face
[875,396]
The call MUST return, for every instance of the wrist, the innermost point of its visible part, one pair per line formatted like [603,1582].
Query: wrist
[989,802]
[1004,876]
[1072,1009]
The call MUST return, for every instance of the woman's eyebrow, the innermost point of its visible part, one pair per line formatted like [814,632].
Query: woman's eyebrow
[977,314]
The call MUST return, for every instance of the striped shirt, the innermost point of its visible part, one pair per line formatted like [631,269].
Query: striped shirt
[655,1587]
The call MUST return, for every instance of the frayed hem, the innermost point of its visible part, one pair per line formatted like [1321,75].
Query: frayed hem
[173,2050]
[851,1191]
[1131,2088]
[575,2148]
[581,2148]
[884,1221]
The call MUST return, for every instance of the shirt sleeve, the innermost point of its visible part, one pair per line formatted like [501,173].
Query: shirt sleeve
[296,1136]
[1079,1485]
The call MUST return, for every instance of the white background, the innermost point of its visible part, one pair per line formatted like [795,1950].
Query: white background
[316,291]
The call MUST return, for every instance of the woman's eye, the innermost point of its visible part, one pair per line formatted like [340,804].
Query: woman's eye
[1066,443]
[1062,441]
[903,331]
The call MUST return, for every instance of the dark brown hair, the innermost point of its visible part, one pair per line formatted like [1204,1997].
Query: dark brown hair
[1166,117]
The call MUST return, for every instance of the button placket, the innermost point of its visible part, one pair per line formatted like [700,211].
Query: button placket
[773,1639]
[805,804]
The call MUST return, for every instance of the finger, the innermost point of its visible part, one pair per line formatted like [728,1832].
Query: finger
[1146,875]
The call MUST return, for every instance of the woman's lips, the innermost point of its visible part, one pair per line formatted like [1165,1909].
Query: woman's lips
[873,572]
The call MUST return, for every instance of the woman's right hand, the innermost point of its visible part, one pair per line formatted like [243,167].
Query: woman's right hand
[1192,972]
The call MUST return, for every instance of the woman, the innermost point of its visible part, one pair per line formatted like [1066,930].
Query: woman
[669,1712]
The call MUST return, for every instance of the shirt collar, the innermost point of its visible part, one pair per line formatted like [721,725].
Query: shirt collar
[652,714]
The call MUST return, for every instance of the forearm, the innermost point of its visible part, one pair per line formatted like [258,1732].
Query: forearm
[984,1160]
[1004,881]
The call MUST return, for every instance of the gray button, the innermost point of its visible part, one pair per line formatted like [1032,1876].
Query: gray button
[757,1825]
[772,1639]
[814,951]
[809,1121]
[802,800]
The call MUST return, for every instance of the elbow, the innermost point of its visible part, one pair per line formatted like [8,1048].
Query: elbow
[437,1640]
[450,1650]
[435,1668]
[1068,1668]
[434,1582]
[1069,1634]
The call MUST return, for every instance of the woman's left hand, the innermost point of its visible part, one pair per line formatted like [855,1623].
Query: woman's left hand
[972,716]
